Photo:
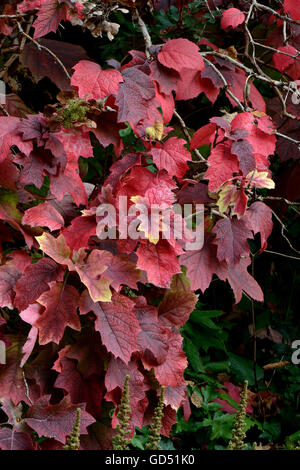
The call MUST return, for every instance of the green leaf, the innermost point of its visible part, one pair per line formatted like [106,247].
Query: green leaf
[193,355]
[272,430]
[243,369]
[221,425]
[221,366]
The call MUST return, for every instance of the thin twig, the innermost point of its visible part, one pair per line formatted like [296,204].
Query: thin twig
[246,69]
[187,135]
[26,388]
[18,15]
[145,33]
[23,41]
[297,142]
[296,57]
[275,13]
[283,228]
[40,46]
[4,111]
[225,83]
[282,254]
[278,198]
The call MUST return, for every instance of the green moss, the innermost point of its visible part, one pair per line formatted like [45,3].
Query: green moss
[74,111]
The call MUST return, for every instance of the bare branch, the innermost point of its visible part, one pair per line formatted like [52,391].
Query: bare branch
[283,228]
[225,83]
[275,13]
[278,198]
[145,33]
[4,111]
[19,15]
[297,142]
[188,137]
[281,254]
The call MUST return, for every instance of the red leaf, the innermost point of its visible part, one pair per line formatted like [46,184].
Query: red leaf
[56,248]
[232,18]
[286,63]
[175,396]
[136,97]
[222,165]
[41,64]
[166,103]
[122,271]
[116,323]
[107,131]
[201,265]
[244,151]
[60,304]
[29,345]
[176,307]
[93,82]
[236,79]
[35,167]
[20,259]
[172,156]
[260,136]
[235,393]
[89,390]
[114,382]
[292,7]
[115,377]
[153,337]
[203,136]
[197,193]
[231,239]
[69,182]
[34,282]
[58,420]
[89,353]
[15,106]
[75,143]
[8,126]
[8,277]
[91,275]
[78,233]
[30,315]
[259,217]
[240,280]
[171,371]
[165,78]
[43,215]
[179,54]
[48,18]
[191,84]
[12,440]
[12,384]
[233,197]
[159,261]
[282,61]
[27,5]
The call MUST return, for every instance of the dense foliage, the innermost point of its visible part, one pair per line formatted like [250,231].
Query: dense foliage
[162,103]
